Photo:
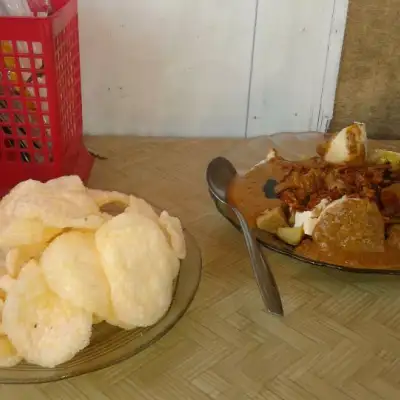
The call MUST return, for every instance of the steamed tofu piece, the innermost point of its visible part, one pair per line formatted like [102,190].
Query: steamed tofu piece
[351,224]
[308,219]
[349,146]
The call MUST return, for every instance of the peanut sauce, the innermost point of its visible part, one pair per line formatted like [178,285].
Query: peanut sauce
[247,194]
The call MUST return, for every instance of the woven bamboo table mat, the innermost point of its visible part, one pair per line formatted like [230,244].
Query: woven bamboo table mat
[339,339]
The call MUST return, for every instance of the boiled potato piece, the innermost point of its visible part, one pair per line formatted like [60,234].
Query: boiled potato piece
[271,220]
[292,236]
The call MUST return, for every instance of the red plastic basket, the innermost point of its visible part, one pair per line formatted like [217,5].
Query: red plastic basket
[40,98]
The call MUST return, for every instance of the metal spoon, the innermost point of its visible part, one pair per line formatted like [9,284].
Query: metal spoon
[220,173]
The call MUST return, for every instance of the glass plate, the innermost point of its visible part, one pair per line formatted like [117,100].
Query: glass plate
[273,243]
[292,146]
[111,345]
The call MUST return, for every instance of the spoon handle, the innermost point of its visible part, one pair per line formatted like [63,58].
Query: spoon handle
[261,269]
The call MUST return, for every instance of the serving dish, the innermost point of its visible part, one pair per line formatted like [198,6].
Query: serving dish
[255,198]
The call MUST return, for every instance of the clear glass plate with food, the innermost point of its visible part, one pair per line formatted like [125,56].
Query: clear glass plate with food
[88,278]
[329,200]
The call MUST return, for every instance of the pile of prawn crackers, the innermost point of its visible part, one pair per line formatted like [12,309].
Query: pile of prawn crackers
[66,264]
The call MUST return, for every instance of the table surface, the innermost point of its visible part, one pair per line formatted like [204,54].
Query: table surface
[339,339]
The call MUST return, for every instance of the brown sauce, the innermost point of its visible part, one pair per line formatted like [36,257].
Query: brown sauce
[247,191]
[248,196]
[388,259]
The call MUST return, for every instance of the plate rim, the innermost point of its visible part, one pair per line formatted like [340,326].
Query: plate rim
[128,354]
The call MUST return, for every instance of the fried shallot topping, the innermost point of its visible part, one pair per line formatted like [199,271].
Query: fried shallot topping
[307,182]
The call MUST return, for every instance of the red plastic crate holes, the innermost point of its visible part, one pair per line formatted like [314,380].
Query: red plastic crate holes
[41,117]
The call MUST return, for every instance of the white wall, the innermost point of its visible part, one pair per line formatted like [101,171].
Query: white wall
[166,67]
[290,57]
[185,67]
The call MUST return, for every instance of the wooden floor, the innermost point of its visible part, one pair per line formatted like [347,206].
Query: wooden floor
[339,340]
